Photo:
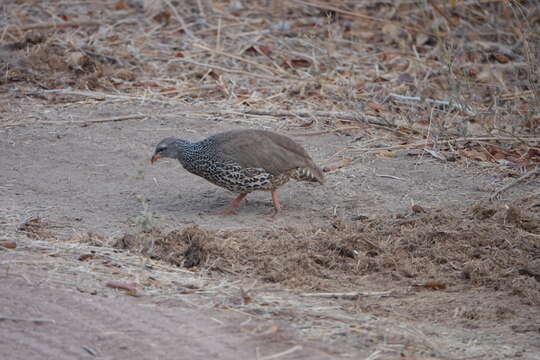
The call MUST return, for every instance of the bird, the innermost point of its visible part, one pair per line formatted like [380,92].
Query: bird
[243,161]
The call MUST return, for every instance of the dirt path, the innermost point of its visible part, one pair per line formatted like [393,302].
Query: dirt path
[44,320]
[95,176]
[92,178]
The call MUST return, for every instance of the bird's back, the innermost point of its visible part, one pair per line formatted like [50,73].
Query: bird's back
[275,153]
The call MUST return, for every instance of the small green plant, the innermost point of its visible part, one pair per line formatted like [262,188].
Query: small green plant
[146,220]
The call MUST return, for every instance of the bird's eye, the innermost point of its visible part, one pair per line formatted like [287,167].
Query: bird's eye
[160,150]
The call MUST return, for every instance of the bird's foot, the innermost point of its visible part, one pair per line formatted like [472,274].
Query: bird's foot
[271,215]
[233,206]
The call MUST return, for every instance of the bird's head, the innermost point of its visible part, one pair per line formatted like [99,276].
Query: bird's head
[167,148]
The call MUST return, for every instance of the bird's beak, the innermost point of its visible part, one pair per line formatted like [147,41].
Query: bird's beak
[155,158]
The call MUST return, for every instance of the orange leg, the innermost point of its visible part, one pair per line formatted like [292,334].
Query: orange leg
[277,205]
[231,208]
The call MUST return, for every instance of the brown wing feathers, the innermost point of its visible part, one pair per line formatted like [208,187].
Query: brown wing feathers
[263,149]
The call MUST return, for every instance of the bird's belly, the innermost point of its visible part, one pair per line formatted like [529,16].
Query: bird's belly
[238,179]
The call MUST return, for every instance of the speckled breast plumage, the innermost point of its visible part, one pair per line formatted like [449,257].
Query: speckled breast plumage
[202,160]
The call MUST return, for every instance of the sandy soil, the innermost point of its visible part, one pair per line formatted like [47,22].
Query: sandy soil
[88,174]
[77,179]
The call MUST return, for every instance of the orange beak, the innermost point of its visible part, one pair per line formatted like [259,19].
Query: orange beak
[155,158]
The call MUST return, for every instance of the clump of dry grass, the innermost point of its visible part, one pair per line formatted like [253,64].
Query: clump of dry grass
[482,246]
[420,72]
[331,55]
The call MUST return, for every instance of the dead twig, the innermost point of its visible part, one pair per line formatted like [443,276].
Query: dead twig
[16,319]
[389,176]
[329,131]
[345,115]
[54,25]
[350,295]
[444,142]
[445,104]
[523,177]
[96,121]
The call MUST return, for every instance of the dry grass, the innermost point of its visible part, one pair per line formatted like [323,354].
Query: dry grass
[299,55]
[457,78]
[497,247]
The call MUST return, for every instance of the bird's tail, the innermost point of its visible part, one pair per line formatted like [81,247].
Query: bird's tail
[311,174]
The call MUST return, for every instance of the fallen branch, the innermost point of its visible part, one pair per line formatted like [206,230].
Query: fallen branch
[349,295]
[446,104]
[95,121]
[329,131]
[444,142]
[54,25]
[16,319]
[525,176]
[344,115]
[389,176]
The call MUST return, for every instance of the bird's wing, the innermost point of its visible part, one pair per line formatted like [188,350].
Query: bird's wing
[262,149]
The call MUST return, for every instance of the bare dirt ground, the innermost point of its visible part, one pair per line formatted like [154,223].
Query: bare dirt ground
[403,253]
[85,185]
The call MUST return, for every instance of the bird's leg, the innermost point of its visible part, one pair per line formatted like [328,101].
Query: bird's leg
[231,208]
[277,205]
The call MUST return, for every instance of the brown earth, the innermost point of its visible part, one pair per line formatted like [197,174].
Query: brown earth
[458,280]
[400,254]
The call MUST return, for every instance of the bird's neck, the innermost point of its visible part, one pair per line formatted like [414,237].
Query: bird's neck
[190,153]
[183,150]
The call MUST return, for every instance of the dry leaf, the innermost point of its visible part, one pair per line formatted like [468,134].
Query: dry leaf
[338,165]
[475,155]
[388,56]
[406,78]
[8,244]
[375,107]
[163,17]
[168,90]
[133,292]
[213,74]
[387,153]
[308,123]
[121,5]
[503,59]
[435,285]
[265,50]
[121,285]
[300,63]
